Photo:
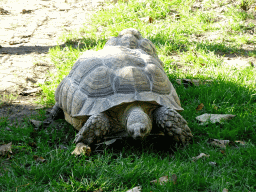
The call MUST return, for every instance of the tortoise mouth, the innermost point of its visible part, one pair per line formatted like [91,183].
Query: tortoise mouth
[138,133]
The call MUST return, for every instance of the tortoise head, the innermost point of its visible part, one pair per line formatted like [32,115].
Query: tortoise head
[138,123]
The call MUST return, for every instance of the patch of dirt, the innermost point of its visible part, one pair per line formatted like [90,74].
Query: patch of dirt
[28,30]
[238,59]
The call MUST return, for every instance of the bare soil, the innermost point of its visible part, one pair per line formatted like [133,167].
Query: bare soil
[28,30]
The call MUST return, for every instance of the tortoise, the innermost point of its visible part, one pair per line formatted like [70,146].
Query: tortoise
[122,87]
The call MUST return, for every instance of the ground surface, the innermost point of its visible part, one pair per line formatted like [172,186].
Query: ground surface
[28,30]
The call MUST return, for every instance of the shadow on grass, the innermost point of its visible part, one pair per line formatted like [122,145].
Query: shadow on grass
[23,50]
[83,43]
[222,49]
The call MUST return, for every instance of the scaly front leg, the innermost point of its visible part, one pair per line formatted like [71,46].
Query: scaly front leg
[95,127]
[173,124]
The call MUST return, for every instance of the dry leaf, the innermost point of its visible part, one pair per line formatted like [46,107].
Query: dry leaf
[196,82]
[213,118]
[99,190]
[207,81]
[187,82]
[24,11]
[161,180]
[200,107]
[147,19]
[6,149]
[36,123]
[225,190]
[32,144]
[22,186]
[150,20]
[218,143]
[240,142]
[165,179]
[213,163]
[200,156]
[178,81]
[176,16]
[223,152]
[215,107]
[39,159]
[30,91]
[40,107]
[82,149]
[135,189]
[4,12]
[192,82]
[62,147]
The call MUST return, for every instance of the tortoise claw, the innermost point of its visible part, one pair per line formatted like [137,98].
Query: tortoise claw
[95,127]
[78,138]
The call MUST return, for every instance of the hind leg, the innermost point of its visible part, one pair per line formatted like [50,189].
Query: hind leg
[173,124]
[56,112]
[95,127]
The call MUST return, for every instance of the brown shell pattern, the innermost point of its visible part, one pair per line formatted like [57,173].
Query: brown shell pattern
[103,79]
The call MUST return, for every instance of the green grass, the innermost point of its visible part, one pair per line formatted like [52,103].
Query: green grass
[183,44]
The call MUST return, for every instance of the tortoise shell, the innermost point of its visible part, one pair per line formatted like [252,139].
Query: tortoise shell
[127,69]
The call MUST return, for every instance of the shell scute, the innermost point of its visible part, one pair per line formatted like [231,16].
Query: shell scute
[78,101]
[131,79]
[98,83]
[161,83]
[72,89]
[64,94]
[82,70]
[58,91]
